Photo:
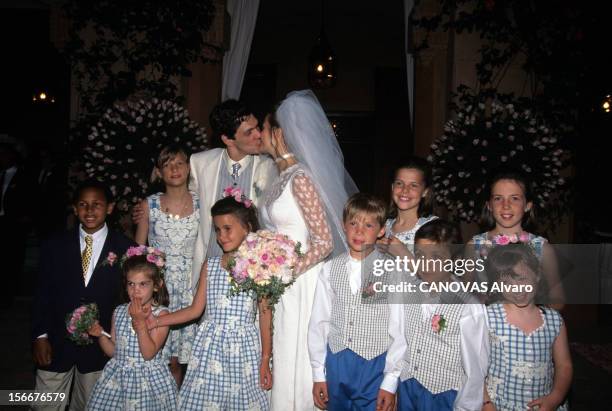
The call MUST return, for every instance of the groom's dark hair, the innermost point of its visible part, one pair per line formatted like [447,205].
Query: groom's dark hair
[225,118]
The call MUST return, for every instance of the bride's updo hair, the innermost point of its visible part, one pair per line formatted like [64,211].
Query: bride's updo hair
[246,214]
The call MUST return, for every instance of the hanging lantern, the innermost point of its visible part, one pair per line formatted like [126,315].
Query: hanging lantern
[322,61]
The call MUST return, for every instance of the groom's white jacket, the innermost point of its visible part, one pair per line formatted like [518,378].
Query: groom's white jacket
[205,169]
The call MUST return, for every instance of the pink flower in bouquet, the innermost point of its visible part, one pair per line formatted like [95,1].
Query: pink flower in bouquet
[79,321]
[264,264]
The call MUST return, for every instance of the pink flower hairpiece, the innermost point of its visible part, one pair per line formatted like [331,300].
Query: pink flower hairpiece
[153,256]
[236,193]
[503,239]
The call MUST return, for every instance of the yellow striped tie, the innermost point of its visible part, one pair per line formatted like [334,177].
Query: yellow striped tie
[86,255]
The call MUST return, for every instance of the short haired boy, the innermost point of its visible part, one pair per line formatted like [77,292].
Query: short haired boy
[77,267]
[348,332]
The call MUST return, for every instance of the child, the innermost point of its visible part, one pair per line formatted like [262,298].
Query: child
[530,364]
[508,209]
[137,376]
[227,369]
[171,224]
[441,355]
[347,337]
[411,205]
[73,273]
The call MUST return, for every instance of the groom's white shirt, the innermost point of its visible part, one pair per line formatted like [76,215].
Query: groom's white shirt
[205,169]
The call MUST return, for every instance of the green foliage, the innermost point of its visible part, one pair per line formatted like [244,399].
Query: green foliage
[119,47]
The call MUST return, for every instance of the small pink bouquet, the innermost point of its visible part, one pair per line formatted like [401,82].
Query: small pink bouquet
[79,321]
[264,264]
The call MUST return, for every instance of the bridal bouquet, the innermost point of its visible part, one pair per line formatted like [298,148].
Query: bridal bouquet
[264,264]
[79,321]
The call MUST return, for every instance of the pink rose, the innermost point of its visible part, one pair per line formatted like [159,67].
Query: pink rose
[265,257]
[524,237]
[280,259]
[435,323]
[160,262]
[112,257]
[71,329]
[502,240]
[248,203]
[513,238]
[151,258]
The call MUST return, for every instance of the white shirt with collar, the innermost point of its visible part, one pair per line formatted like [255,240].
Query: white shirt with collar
[318,328]
[99,237]
[9,173]
[244,163]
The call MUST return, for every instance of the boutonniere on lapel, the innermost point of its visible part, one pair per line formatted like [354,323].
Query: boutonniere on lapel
[110,259]
[368,291]
[438,323]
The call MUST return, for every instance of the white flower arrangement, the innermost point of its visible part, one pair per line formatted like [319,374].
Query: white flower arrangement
[489,133]
[123,145]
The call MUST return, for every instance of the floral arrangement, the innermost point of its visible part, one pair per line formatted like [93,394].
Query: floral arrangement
[122,146]
[238,196]
[154,256]
[503,239]
[79,321]
[264,264]
[491,132]
[438,323]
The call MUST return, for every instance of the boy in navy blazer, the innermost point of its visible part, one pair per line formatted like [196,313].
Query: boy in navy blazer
[75,269]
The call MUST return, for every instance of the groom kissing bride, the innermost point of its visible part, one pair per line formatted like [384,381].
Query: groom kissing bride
[293,170]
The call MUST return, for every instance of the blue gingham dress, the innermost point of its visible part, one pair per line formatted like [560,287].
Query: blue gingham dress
[223,372]
[128,382]
[176,238]
[406,237]
[520,366]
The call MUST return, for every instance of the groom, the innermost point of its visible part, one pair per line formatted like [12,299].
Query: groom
[238,164]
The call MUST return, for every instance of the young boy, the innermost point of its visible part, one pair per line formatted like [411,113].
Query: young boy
[441,357]
[348,331]
[76,268]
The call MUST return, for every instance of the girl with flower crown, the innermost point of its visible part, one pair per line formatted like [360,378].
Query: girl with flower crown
[508,209]
[440,349]
[137,376]
[170,223]
[229,368]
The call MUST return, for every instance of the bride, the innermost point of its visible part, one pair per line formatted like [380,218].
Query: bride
[305,203]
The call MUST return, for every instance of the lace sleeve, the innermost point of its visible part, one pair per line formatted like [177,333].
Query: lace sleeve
[312,210]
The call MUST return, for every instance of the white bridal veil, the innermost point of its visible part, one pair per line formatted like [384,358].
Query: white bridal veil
[311,138]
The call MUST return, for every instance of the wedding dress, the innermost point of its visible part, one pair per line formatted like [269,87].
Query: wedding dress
[292,207]
[305,203]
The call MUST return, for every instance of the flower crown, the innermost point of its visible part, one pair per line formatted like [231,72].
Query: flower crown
[153,256]
[503,239]
[238,196]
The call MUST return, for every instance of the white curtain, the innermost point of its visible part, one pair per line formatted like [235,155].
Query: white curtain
[408,5]
[243,16]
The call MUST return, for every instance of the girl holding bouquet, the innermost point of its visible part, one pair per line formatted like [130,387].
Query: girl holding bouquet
[137,376]
[228,369]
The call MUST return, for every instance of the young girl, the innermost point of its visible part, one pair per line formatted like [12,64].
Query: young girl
[170,222]
[227,369]
[440,350]
[530,364]
[411,205]
[508,209]
[136,377]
